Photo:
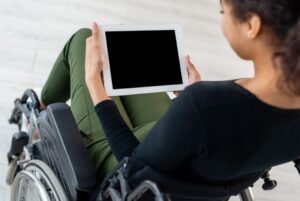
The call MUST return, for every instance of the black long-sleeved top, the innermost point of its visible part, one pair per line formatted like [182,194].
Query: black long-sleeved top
[217,131]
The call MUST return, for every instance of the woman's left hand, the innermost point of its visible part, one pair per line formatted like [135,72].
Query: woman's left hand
[94,59]
[193,74]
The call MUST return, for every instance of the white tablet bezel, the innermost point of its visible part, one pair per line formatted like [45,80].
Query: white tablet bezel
[142,90]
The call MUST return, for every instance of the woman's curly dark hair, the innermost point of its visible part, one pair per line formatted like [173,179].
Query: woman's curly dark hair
[282,18]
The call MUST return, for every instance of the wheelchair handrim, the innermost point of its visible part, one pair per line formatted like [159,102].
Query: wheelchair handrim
[48,176]
[25,181]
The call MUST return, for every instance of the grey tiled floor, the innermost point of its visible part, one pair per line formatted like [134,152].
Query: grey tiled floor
[32,33]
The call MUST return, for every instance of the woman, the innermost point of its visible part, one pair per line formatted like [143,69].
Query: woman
[214,131]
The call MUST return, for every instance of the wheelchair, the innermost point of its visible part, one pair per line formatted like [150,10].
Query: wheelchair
[55,166]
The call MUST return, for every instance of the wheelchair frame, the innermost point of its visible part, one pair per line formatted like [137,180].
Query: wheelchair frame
[37,171]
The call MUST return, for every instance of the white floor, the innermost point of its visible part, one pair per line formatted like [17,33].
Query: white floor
[32,33]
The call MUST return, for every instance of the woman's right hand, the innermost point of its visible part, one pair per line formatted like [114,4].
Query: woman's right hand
[94,59]
[193,74]
[94,63]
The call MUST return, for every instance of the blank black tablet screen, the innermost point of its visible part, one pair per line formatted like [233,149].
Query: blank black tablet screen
[143,58]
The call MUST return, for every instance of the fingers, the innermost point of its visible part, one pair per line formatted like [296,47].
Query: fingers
[190,66]
[94,38]
[95,31]
[94,57]
[192,71]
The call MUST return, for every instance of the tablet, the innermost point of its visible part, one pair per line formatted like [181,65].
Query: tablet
[143,59]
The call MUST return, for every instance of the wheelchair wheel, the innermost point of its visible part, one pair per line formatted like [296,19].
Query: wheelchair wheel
[37,182]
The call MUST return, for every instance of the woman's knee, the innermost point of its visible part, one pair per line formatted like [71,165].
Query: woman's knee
[83,33]
[75,48]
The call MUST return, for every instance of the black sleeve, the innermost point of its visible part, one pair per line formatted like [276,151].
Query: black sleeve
[176,137]
[119,136]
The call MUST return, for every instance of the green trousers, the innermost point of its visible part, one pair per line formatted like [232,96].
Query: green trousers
[66,81]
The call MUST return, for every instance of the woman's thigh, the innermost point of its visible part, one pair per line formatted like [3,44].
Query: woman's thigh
[104,166]
[145,108]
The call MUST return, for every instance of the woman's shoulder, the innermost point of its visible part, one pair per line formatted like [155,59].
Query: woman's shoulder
[223,85]
[229,93]
[212,93]
[212,86]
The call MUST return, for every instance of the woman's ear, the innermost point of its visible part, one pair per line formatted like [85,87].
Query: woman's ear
[254,26]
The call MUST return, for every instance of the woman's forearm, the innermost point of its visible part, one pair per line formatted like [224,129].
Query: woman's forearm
[96,89]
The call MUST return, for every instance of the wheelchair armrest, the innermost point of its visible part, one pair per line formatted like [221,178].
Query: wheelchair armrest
[62,118]
[65,152]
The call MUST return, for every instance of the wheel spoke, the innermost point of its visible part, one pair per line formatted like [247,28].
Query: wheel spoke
[37,182]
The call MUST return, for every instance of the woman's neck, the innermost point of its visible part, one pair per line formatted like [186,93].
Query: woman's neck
[266,83]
